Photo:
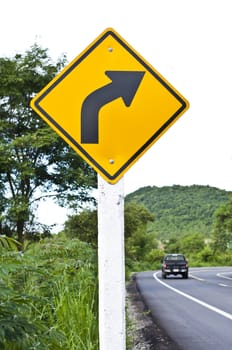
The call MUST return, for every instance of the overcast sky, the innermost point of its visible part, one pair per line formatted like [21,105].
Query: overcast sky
[187,41]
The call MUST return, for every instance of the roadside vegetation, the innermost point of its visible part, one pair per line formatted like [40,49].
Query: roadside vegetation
[49,296]
[48,282]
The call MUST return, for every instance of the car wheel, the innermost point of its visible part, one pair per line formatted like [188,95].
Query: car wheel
[164,275]
[185,275]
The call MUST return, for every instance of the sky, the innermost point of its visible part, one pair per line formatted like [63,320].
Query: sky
[186,41]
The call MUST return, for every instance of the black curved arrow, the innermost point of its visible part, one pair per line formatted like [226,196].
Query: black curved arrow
[124,84]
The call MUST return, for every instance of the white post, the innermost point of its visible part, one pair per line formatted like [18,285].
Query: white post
[111,265]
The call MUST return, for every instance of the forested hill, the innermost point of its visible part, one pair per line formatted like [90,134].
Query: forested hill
[179,210]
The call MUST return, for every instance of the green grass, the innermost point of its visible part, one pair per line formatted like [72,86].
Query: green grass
[49,297]
[74,312]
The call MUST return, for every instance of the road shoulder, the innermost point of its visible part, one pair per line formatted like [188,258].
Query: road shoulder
[144,333]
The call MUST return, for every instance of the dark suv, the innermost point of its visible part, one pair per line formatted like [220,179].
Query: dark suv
[174,264]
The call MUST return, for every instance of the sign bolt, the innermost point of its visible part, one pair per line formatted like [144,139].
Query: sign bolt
[111,161]
[110,49]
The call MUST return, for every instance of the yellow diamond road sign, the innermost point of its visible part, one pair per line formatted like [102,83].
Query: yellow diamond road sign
[110,105]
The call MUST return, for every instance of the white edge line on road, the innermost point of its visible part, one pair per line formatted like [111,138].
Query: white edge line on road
[198,301]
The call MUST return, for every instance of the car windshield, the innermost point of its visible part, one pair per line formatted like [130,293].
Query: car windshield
[175,257]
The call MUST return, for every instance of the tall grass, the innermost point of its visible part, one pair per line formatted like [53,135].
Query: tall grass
[75,312]
[55,286]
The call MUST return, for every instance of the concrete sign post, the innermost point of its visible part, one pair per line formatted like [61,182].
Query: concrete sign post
[111,266]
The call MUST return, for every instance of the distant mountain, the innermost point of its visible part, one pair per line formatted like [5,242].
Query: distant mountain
[180,210]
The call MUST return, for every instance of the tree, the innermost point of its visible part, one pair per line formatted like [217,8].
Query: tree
[192,243]
[34,161]
[173,245]
[136,216]
[222,232]
[83,225]
[137,241]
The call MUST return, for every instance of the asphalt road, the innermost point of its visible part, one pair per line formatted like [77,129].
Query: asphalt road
[196,312]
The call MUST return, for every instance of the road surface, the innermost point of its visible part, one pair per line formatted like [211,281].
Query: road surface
[196,312]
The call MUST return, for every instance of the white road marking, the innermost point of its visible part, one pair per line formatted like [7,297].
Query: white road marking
[223,285]
[221,274]
[198,301]
[196,278]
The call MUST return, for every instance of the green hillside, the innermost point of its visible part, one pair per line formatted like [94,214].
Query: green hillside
[180,210]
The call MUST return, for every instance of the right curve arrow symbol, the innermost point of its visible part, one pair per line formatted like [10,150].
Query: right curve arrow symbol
[123,84]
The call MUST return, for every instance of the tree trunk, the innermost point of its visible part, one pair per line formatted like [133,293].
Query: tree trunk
[20,227]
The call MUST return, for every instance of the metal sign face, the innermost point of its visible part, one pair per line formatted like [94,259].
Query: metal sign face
[110,105]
